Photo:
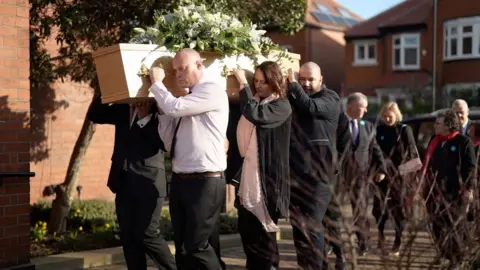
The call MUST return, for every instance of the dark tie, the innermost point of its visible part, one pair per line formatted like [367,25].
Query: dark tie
[354,132]
[174,140]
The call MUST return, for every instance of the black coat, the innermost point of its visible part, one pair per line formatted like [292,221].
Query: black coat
[314,133]
[142,147]
[397,143]
[343,135]
[452,167]
[273,125]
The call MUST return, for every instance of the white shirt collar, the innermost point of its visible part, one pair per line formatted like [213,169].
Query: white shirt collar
[350,119]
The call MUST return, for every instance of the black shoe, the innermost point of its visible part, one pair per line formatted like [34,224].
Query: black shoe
[329,250]
[396,248]
[363,250]
[340,263]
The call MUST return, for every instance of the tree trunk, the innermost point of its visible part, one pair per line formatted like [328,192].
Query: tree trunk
[66,191]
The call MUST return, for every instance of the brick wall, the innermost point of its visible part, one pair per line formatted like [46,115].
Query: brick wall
[324,47]
[14,132]
[59,132]
[59,112]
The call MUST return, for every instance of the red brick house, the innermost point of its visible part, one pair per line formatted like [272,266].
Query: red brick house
[414,47]
[322,39]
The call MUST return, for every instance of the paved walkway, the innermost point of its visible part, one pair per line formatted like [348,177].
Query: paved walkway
[421,251]
[422,254]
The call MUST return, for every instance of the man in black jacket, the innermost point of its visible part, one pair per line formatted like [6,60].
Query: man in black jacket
[137,176]
[333,214]
[312,161]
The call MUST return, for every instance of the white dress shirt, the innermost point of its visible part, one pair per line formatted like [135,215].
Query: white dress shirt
[142,122]
[200,145]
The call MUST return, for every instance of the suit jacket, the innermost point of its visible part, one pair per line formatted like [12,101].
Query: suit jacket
[366,155]
[234,160]
[314,136]
[467,129]
[453,166]
[343,134]
[141,147]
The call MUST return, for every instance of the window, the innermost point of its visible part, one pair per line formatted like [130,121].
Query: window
[365,52]
[323,8]
[467,91]
[406,51]
[345,13]
[462,39]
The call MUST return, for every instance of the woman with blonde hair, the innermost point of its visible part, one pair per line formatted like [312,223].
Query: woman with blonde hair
[398,146]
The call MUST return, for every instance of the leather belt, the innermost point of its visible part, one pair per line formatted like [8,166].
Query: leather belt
[202,174]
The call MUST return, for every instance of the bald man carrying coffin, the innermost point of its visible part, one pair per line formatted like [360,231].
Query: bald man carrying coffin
[193,128]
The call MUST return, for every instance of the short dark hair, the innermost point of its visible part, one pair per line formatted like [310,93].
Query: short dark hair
[274,77]
[450,120]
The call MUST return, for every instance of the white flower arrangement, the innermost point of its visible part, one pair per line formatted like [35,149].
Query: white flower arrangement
[195,27]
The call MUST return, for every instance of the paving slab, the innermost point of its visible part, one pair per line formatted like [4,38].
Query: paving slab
[422,254]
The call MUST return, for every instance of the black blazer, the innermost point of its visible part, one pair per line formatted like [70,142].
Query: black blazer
[142,147]
[314,136]
[367,155]
[454,166]
[397,143]
[343,134]
[234,160]
[467,129]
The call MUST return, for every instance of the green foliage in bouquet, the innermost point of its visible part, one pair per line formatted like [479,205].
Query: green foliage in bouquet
[198,28]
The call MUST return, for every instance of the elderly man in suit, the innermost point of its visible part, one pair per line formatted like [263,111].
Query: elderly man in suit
[364,162]
[460,107]
[312,161]
[137,176]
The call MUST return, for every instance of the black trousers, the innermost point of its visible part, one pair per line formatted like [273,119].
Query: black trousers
[308,204]
[384,206]
[214,241]
[332,227]
[359,201]
[138,213]
[260,246]
[195,205]
[447,224]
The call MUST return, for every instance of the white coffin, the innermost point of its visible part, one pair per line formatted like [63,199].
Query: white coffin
[118,66]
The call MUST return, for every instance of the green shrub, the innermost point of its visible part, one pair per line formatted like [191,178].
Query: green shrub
[84,213]
[89,215]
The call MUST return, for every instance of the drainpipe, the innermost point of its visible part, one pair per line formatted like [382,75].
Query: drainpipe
[434,73]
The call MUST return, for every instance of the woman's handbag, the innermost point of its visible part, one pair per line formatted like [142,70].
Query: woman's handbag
[411,165]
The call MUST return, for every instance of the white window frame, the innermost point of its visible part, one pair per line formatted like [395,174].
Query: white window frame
[448,38]
[402,48]
[345,13]
[323,8]
[366,44]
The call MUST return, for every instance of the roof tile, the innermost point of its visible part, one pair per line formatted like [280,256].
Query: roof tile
[409,12]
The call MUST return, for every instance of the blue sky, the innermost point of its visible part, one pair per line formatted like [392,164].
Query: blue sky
[368,8]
